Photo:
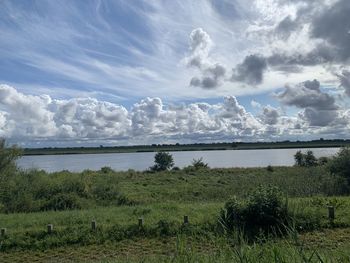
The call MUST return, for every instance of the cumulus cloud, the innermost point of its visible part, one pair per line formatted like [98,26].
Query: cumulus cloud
[332,25]
[250,70]
[319,108]
[344,79]
[200,45]
[307,94]
[286,27]
[212,73]
[42,118]
[212,77]
[269,115]
[327,37]
[30,117]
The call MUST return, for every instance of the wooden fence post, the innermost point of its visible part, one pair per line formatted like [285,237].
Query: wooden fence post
[140,222]
[49,228]
[93,225]
[186,221]
[331,214]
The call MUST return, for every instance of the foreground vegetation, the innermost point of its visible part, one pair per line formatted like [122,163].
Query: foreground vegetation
[272,214]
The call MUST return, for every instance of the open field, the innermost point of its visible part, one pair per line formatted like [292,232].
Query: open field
[189,147]
[162,199]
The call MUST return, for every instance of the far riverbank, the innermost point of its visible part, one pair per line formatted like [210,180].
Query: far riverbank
[188,147]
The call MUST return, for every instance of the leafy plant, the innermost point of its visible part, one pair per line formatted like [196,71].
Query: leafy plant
[63,201]
[264,210]
[307,159]
[8,157]
[310,159]
[163,161]
[269,168]
[199,164]
[106,169]
[340,164]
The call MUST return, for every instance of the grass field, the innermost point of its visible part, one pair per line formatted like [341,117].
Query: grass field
[162,199]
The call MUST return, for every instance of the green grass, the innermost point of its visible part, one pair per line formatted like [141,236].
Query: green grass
[319,246]
[221,184]
[28,231]
[162,199]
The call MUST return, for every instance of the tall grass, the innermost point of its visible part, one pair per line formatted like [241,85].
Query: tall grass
[32,191]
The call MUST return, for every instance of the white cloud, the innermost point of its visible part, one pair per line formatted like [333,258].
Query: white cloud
[41,118]
[270,115]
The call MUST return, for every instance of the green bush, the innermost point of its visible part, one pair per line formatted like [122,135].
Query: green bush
[31,191]
[264,210]
[8,157]
[163,161]
[199,164]
[269,168]
[323,160]
[307,159]
[106,169]
[63,201]
[340,164]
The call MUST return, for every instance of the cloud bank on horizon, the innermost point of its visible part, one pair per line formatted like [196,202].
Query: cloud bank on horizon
[129,72]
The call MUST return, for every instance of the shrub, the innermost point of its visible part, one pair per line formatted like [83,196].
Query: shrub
[199,164]
[264,210]
[106,169]
[8,157]
[323,160]
[269,168]
[63,201]
[307,159]
[299,158]
[310,159]
[166,228]
[105,190]
[163,161]
[340,164]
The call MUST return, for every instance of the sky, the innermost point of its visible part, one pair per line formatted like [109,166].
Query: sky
[120,72]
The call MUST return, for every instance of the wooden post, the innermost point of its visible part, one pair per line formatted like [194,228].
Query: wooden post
[140,222]
[49,228]
[186,220]
[331,214]
[93,225]
[3,232]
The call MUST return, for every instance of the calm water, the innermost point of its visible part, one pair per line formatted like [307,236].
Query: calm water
[141,161]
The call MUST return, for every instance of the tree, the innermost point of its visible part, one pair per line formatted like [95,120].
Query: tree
[307,159]
[163,161]
[8,157]
[340,164]
[299,158]
[310,159]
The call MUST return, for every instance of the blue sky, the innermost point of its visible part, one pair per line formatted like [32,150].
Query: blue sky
[126,72]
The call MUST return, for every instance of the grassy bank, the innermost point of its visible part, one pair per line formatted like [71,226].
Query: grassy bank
[29,231]
[161,199]
[294,202]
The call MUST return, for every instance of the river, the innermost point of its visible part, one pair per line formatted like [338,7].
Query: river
[142,161]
